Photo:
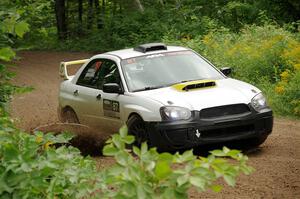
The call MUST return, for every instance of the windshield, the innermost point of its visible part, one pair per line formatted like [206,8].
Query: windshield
[165,69]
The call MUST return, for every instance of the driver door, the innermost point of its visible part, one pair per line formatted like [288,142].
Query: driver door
[111,103]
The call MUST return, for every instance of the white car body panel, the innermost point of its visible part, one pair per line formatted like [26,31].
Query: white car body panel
[227,91]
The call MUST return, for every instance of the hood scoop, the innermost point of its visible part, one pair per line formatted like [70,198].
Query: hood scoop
[192,85]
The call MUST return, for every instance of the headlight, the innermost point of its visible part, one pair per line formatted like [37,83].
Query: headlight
[259,102]
[172,113]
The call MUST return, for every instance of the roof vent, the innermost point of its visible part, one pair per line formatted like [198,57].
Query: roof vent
[150,47]
[199,85]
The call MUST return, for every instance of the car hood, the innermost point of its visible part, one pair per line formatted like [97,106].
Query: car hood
[227,91]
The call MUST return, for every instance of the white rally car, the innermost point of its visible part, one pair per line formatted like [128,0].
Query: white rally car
[169,96]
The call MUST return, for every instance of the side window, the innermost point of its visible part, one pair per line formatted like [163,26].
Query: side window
[99,72]
[108,74]
[89,75]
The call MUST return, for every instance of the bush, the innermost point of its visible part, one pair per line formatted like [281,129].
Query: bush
[286,97]
[149,174]
[32,167]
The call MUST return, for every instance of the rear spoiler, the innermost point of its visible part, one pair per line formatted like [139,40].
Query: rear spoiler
[63,72]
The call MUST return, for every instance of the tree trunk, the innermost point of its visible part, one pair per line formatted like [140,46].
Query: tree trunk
[90,15]
[114,8]
[102,14]
[121,8]
[139,5]
[61,19]
[161,2]
[80,9]
[98,17]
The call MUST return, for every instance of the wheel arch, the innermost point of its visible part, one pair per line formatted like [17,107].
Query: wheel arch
[67,107]
[146,113]
[63,110]
[134,113]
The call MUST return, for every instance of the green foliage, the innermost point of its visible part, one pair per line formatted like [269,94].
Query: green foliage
[11,28]
[6,54]
[21,28]
[286,98]
[32,167]
[149,174]
[266,56]
[117,24]
[41,17]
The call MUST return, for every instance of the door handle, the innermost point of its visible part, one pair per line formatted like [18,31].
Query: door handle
[98,97]
[76,92]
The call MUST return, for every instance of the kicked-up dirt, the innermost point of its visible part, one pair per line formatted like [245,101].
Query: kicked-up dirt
[277,161]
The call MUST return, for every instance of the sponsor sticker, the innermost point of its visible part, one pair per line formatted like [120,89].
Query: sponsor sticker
[111,108]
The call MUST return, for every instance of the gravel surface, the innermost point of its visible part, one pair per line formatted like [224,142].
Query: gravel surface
[277,161]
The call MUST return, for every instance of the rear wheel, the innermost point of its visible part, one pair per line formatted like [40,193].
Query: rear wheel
[69,116]
[137,128]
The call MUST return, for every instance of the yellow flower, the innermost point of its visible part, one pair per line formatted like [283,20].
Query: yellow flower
[47,145]
[297,66]
[292,43]
[269,43]
[206,39]
[292,55]
[39,139]
[285,76]
[279,89]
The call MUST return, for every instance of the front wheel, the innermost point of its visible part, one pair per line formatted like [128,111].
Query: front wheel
[137,128]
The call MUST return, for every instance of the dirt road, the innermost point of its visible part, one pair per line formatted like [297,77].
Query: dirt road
[277,161]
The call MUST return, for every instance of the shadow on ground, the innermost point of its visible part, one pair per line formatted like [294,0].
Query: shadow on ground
[87,140]
[241,145]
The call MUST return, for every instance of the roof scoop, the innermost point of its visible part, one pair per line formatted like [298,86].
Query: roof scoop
[200,84]
[150,47]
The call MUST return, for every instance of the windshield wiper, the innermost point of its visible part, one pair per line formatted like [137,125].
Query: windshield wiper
[183,81]
[149,88]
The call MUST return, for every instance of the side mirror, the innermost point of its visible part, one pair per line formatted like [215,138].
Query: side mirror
[112,88]
[226,70]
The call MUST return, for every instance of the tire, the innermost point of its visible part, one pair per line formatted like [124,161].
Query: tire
[69,116]
[136,127]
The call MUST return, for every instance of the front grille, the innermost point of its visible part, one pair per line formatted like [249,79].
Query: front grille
[221,111]
[227,132]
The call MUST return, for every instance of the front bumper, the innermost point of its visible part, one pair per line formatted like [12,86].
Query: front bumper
[169,136]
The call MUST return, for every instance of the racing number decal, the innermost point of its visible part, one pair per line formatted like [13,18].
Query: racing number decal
[111,108]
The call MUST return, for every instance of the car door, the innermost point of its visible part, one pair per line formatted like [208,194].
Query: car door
[112,107]
[94,107]
[87,96]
